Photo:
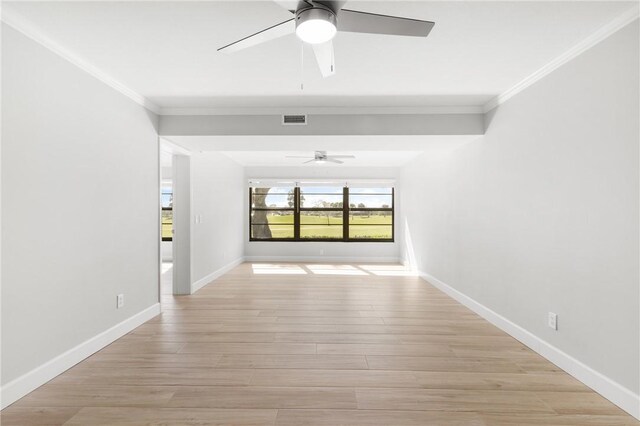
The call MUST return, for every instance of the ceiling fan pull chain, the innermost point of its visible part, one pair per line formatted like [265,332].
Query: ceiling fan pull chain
[301,66]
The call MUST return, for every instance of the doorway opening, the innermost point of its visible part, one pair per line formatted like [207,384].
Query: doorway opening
[175,220]
[166,243]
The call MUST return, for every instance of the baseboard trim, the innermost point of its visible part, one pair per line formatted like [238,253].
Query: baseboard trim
[215,275]
[613,391]
[17,388]
[322,259]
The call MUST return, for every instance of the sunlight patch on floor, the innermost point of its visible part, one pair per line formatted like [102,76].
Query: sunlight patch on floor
[382,270]
[389,270]
[276,269]
[335,270]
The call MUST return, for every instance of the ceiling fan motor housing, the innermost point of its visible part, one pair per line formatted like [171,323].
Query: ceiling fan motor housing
[316,12]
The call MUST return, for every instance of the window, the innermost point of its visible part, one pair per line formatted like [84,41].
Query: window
[272,213]
[321,213]
[371,213]
[167,213]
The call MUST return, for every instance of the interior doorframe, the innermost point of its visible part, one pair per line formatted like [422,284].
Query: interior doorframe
[181,241]
[181,185]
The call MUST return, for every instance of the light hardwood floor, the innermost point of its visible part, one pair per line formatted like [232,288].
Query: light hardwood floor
[300,344]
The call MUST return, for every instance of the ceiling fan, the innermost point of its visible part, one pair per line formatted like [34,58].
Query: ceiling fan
[321,157]
[317,21]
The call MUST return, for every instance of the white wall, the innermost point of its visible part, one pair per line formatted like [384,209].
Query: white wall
[331,251]
[217,235]
[80,206]
[182,225]
[166,251]
[542,213]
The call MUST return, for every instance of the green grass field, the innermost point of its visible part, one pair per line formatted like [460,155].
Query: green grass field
[317,226]
[167,223]
[331,227]
[166,230]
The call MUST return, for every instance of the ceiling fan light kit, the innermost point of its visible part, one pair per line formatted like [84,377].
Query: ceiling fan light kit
[316,25]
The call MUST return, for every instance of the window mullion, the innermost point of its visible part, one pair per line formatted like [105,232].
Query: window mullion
[296,213]
[250,213]
[393,214]
[345,213]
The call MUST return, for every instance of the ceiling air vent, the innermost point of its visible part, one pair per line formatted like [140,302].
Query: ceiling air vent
[294,120]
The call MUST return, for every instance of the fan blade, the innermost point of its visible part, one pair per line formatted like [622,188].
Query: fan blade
[363,22]
[332,160]
[290,5]
[271,33]
[325,58]
[310,161]
[342,156]
[297,156]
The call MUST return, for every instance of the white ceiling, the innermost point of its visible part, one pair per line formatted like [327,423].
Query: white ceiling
[363,158]
[370,151]
[166,51]
[309,144]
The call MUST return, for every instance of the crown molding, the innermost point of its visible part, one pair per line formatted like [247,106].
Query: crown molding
[26,28]
[275,110]
[29,30]
[605,31]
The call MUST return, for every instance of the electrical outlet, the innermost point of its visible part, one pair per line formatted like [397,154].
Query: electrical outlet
[120,301]
[553,320]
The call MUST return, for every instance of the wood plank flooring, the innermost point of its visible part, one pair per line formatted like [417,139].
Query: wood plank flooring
[276,344]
